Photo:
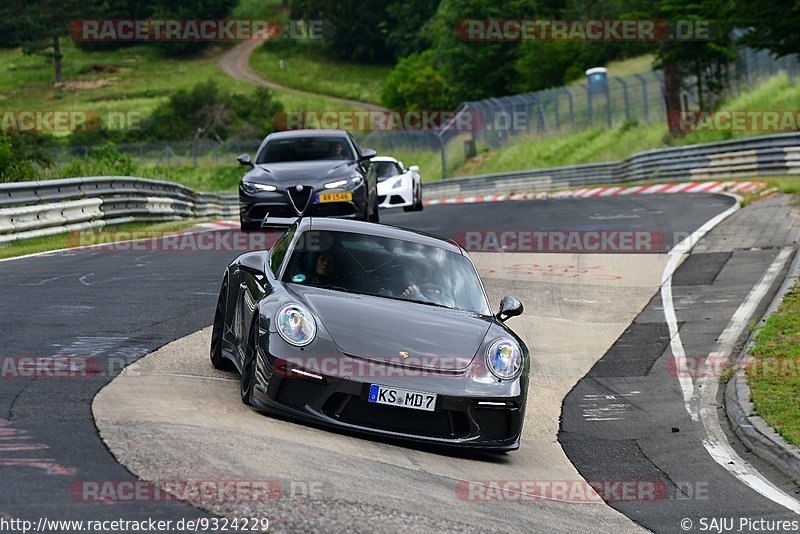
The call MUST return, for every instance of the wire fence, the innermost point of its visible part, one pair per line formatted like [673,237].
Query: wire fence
[496,122]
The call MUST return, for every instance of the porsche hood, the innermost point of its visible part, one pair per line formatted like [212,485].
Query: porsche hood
[381,329]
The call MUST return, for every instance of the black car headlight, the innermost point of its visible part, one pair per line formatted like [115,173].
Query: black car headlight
[296,325]
[504,358]
[254,187]
[350,183]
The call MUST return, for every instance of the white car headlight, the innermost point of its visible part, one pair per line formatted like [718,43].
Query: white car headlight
[296,325]
[355,181]
[252,187]
[504,358]
[398,183]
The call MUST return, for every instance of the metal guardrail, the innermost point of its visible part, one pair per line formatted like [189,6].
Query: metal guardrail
[768,155]
[36,209]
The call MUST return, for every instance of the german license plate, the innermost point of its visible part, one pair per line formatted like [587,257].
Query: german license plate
[334,197]
[404,398]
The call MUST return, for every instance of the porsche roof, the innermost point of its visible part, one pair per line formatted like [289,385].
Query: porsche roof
[380,230]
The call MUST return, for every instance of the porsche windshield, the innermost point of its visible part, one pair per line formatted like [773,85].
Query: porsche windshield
[386,267]
[305,149]
[386,169]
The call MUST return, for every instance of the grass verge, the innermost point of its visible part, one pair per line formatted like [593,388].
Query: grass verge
[306,68]
[774,377]
[623,140]
[106,235]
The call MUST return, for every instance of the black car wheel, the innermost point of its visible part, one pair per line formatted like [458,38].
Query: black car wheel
[418,205]
[217,359]
[249,366]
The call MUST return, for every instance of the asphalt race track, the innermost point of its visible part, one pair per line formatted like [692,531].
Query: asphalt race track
[594,323]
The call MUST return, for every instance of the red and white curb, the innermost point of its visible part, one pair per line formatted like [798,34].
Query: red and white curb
[219,225]
[684,187]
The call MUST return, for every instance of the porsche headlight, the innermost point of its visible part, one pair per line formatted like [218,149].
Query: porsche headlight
[296,325]
[504,358]
[355,181]
[253,187]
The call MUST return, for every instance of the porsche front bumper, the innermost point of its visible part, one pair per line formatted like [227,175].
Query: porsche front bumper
[469,413]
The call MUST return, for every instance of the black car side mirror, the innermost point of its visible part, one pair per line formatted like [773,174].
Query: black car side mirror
[368,153]
[509,307]
[244,159]
[253,263]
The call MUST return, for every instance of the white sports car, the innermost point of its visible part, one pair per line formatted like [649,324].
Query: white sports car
[398,186]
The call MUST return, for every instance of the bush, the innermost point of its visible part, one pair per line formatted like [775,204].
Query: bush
[23,156]
[415,84]
[104,160]
[206,111]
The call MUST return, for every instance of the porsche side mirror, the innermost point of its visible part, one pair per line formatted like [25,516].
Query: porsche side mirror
[244,159]
[253,263]
[368,153]
[509,307]
[414,168]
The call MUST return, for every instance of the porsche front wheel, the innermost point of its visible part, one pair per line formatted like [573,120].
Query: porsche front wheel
[217,359]
[249,366]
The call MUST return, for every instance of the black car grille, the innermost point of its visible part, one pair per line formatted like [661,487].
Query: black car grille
[259,211]
[297,392]
[441,424]
[300,199]
[494,423]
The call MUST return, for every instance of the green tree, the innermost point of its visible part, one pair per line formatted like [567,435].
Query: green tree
[772,25]
[406,31]
[359,31]
[39,25]
[706,60]
[478,69]
[415,84]
[206,111]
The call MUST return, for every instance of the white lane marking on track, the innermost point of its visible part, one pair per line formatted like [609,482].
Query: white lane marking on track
[704,400]
[716,443]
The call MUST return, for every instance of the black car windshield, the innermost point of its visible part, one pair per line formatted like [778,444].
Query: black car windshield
[305,149]
[386,267]
[386,169]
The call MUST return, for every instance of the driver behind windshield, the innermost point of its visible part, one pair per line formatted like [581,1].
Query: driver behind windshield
[336,150]
[324,270]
